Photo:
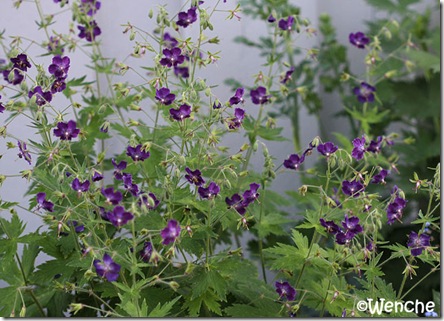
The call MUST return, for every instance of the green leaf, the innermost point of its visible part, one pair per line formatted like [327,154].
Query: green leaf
[272,224]
[425,60]
[163,310]
[248,311]
[206,280]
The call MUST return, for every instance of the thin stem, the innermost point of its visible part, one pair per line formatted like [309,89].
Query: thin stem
[433,270]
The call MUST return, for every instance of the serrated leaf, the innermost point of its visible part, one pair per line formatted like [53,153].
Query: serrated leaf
[163,310]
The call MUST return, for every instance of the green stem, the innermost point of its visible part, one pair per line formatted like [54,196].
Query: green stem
[264,275]
[404,279]
[433,270]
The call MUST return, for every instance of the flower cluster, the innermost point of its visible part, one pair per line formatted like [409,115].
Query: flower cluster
[59,69]
[89,30]
[240,203]
[344,235]
[20,65]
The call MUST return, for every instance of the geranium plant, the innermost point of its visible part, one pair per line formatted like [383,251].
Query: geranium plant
[154,229]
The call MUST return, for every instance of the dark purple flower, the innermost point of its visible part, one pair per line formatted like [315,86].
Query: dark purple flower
[287,75]
[344,237]
[293,161]
[327,149]
[286,24]
[352,224]
[169,41]
[41,97]
[284,289]
[80,187]
[194,177]
[59,67]
[58,86]
[164,96]
[364,93]
[358,39]
[118,168]
[103,213]
[183,72]
[251,195]
[217,105]
[380,177]
[89,32]
[146,252]
[173,57]
[271,19]
[352,188]
[238,97]
[21,62]
[236,202]
[375,145]
[108,269]
[259,95]
[66,131]
[358,148]
[137,153]
[2,107]
[129,185]
[182,113]
[90,6]
[149,200]
[43,203]
[23,152]
[394,210]
[112,197]
[209,192]
[17,79]
[119,217]
[417,243]
[236,121]
[97,176]
[330,226]
[187,18]
[170,232]
[78,228]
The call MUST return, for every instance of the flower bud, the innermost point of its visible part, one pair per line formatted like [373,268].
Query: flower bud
[174,285]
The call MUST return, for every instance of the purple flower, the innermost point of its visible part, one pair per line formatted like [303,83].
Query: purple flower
[287,75]
[108,269]
[170,232]
[169,41]
[209,192]
[375,145]
[90,6]
[78,228]
[352,188]
[358,39]
[187,18]
[344,237]
[89,32]
[237,203]
[217,105]
[173,57]
[21,62]
[66,131]
[358,148]
[43,203]
[129,185]
[80,187]
[236,121]
[58,86]
[59,67]
[330,226]
[2,107]
[181,72]
[146,252]
[24,153]
[286,24]
[180,114]
[54,44]
[97,176]
[41,97]
[164,96]
[259,95]
[112,197]
[119,217]
[118,168]
[150,200]
[194,177]
[17,79]
[352,224]
[238,97]
[417,243]
[284,289]
[394,210]
[271,19]
[251,195]
[327,149]
[293,161]
[380,177]
[137,153]
[364,93]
